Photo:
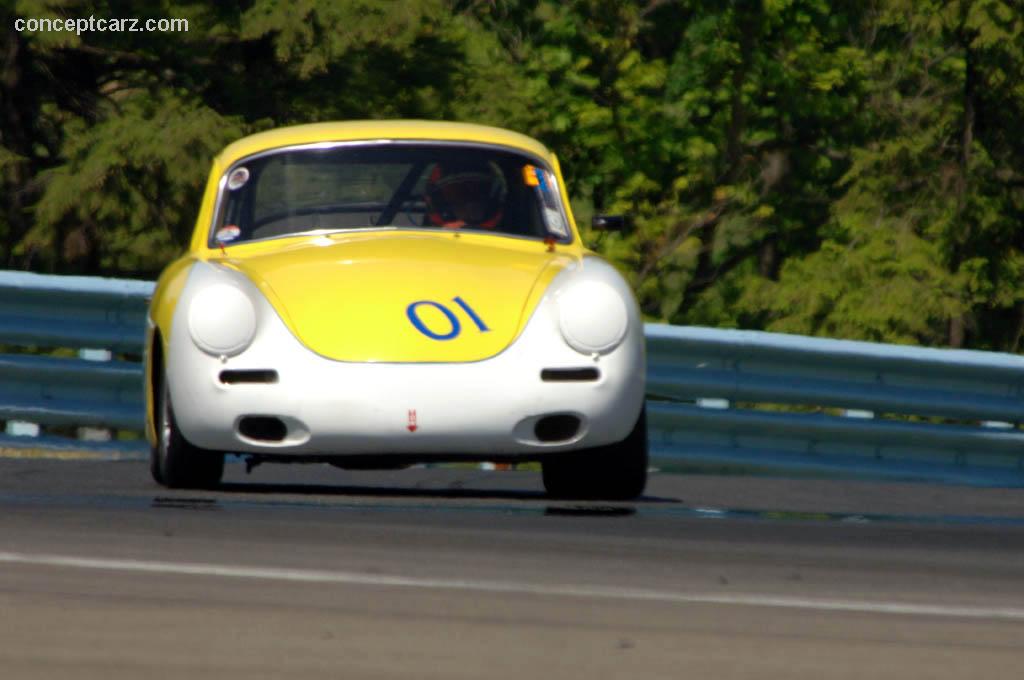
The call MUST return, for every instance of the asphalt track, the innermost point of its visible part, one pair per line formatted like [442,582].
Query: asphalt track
[311,572]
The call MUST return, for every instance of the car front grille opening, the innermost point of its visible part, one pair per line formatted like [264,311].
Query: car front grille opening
[263,428]
[259,375]
[556,428]
[587,374]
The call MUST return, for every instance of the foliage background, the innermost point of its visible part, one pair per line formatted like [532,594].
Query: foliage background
[847,168]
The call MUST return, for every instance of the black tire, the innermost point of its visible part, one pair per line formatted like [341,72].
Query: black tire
[154,458]
[613,472]
[174,462]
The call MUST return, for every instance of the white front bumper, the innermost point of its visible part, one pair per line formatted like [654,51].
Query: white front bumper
[332,407]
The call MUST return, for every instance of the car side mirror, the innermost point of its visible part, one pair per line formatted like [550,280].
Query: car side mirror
[620,223]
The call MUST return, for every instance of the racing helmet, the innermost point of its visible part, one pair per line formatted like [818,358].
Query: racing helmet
[465,194]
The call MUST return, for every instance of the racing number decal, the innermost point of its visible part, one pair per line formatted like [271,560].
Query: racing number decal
[472,315]
[414,317]
[412,311]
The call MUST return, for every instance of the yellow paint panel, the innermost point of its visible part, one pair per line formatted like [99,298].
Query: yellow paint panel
[161,311]
[168,290]
[404,296]
[348,296]
[343,131]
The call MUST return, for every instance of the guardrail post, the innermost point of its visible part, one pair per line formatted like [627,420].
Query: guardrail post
[88,433]
[22,428]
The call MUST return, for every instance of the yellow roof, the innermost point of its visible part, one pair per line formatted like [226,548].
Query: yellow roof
[343,131]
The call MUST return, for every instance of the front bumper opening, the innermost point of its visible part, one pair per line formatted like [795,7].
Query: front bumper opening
[263,428]
[556,428]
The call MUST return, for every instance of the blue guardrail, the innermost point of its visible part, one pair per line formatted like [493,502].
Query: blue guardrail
[752,401]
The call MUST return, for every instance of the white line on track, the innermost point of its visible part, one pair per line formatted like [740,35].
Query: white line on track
[600,592]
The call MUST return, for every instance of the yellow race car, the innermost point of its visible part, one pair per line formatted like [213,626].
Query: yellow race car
[382,293]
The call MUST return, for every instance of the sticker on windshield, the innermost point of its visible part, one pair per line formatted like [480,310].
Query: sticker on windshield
[238,178]
[547,190]
[531,175]
[227,234]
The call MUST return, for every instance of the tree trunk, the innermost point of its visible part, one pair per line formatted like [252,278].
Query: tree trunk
[957,331]
[961,240]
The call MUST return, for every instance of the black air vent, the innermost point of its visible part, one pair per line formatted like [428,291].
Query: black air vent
[263,428]
[259,375]
[570,374]
[557,428]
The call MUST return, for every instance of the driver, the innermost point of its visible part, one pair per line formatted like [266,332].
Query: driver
[465,194]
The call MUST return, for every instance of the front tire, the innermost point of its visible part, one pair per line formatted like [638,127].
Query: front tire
[174,462]
[613,472]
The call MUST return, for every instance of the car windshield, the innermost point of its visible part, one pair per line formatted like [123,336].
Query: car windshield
[390,185]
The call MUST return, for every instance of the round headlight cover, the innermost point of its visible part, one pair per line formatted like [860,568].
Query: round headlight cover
[592,316]
[222,320]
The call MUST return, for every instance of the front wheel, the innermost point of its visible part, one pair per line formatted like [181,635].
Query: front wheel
[174,462]
[613,472]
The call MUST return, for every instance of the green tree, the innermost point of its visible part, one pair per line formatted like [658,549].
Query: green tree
[925,243]
[720,126]
[131,121]
[827,167]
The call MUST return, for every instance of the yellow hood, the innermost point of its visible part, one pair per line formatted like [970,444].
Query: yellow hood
[405,297]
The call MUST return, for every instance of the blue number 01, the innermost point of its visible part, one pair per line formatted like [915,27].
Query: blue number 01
[412,312]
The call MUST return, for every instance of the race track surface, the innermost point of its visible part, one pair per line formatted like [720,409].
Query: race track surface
[312,572]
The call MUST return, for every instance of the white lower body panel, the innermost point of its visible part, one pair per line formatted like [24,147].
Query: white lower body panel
[457,409]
